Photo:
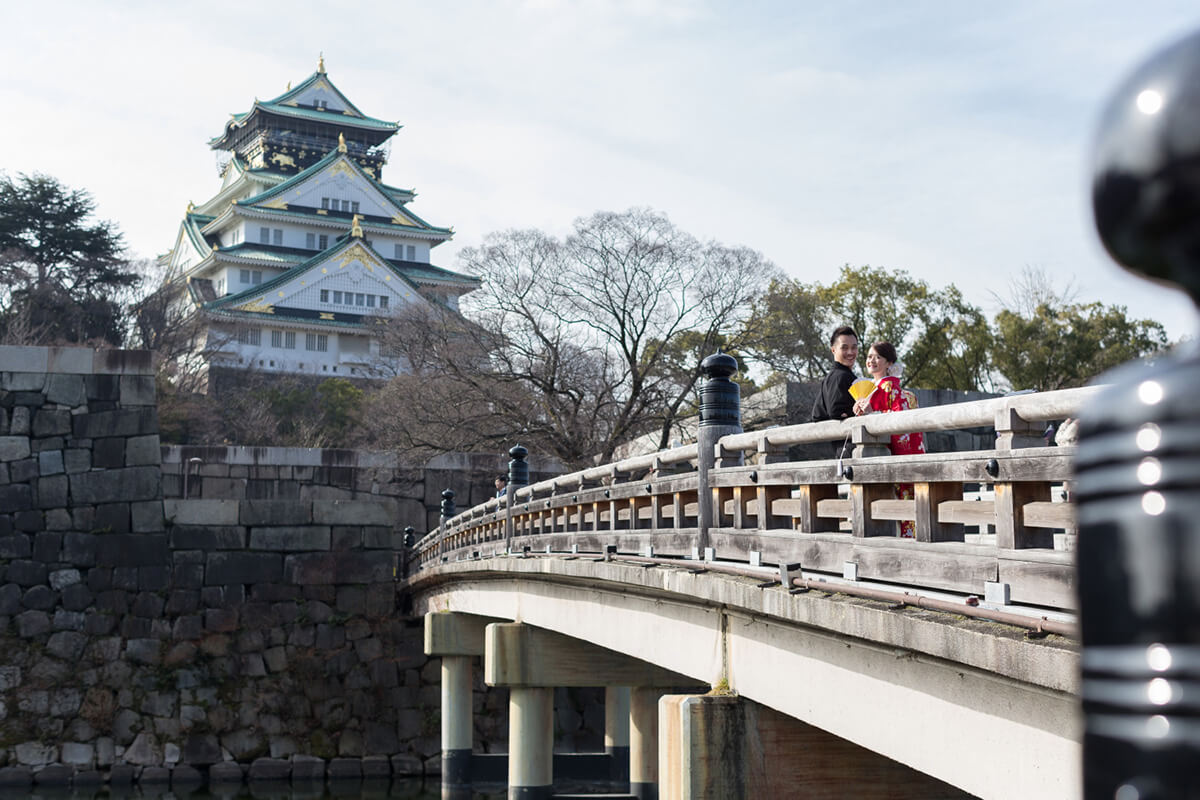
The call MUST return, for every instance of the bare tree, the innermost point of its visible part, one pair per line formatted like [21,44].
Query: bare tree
[567,345]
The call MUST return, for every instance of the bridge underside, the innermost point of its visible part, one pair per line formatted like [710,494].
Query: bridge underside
[977,705]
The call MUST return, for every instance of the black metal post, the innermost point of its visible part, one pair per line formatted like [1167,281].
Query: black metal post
[1137,494]
[518,475]
[720,415]
[447,511]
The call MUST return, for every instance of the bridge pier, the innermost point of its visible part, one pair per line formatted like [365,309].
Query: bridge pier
[643,743]
[616,731]
[532,661]
[729,746]
[456,639]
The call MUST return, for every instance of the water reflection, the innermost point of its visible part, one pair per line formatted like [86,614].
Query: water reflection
[368,789]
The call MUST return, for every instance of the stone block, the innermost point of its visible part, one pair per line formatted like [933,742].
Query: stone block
[27,573]
[194,511]
[77,597]
[144,651]
[62,578]
[10,599]
[187,627]
[220,620]
[36,754]
[79,549]
[345,768]
[346,537]
[142,450]
[23,471]
[24,358]
[16,497]
[16,545]
[335,568]
[41,598]
[50,462]
[273,513]
[155,578]
[112,601]
[144,751]
[188,576]
[118,422]
[46,547]
[109,452]
[125,578]
[406,766]
[355,512]
[378,766]
[216,537]
[103,486]
[69,620]
[269,769]
[66,390]
[132,549]
[19,422]
[307,768]
[52,491]
[185,776]
[54,775]
[102,388]
[58,519]
[79,754]
[137,390]
[50,422]
[148,605]
[290,539]
[147,516]
[76,459]
[243,568]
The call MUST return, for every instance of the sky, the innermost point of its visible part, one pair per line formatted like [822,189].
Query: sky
[946,138]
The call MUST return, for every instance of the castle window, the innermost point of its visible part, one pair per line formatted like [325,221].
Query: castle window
[310,241]
[383,301]
[399,252]
[277,237]
[289,340]
[256,276]
[244,275]
[360,299]
[370,301]
[346,205]
[354,207]
[412,252]
[325,203]
[324,295]
[264,235]
[323,241]
[316,341]
[251,336]
[276,341]
[337,297]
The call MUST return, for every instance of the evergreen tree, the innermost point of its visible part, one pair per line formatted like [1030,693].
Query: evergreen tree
[61,272]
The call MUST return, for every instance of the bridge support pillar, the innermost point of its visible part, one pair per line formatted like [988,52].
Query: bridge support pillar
[456,639]
[616,731]
[728,746]
[530,743]
[457,738]
[643,743]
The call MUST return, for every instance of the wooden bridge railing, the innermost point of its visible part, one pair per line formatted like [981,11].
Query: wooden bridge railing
[828,515]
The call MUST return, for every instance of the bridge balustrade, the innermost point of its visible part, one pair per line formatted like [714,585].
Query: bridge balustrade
[828,516]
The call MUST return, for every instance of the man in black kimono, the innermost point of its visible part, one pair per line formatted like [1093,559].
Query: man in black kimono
[834,400]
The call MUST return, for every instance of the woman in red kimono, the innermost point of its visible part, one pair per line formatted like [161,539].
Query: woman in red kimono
[885,368]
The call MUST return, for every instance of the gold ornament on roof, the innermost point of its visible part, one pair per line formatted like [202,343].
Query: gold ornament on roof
[321,63]
[341,143]
[355,228]
[289,88]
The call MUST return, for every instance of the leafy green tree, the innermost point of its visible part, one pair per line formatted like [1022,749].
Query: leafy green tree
[942,339]
[60,272]
[1059,347]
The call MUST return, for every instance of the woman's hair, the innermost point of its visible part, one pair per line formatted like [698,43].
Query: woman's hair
[886,350]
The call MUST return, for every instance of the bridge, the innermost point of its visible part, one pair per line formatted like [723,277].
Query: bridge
[760,626]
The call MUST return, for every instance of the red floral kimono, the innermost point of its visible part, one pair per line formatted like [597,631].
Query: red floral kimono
[889,397]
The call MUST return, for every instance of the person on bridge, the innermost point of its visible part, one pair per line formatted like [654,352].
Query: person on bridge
[501,485]
[885,368]
[833,399]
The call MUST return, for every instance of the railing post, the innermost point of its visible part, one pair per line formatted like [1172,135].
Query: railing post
[720,415]
[447,511]
[1138,508]
[518,475]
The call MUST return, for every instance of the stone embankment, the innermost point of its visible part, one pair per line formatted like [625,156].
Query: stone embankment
[182,639]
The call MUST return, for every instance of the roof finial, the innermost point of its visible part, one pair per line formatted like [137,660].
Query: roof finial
[355,228]
[341,142]
[321,63]
[289,88]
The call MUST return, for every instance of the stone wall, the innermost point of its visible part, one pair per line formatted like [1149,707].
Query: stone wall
[251,630]
[412,488]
